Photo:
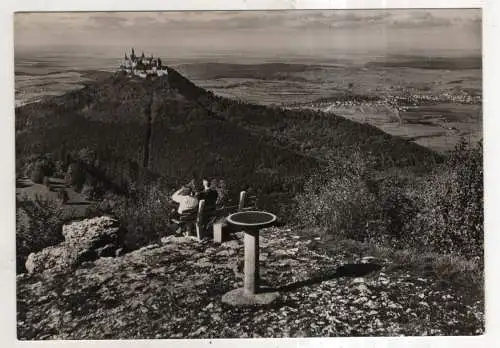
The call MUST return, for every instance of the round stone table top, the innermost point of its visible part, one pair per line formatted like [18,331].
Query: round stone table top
[252,219]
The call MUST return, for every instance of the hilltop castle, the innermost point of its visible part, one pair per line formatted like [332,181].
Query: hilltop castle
[142,66]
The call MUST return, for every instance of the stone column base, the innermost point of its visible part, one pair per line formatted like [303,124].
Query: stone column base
[239,297]
[221,231]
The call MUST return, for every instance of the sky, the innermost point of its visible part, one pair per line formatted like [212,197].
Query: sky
[260,33]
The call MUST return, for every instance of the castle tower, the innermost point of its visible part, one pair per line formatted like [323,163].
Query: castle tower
[125,61]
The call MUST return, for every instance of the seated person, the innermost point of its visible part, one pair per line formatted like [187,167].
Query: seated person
[208,194]
[188,204]
[185,196]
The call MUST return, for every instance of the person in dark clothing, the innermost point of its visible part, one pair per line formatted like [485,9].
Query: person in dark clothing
[208,194]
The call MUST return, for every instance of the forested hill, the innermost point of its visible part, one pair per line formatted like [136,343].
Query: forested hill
[313,133]
[130,123]
[172,128]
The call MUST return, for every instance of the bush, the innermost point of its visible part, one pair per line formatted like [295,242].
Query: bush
[222,191]
[339,199]
[88,193]
[440,212]
[62,196]
[60,169]
[38,225]
[39,167]
[85,155]
[37,174]
[145,216]
[452,215]
[76,176]
[395,209]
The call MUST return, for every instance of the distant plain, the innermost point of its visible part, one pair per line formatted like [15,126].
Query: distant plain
[308,84]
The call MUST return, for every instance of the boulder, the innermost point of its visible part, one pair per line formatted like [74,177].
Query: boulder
[53,257]
[84,241]
[91,232]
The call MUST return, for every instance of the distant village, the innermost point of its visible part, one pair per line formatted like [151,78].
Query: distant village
[142,66]
[400,102]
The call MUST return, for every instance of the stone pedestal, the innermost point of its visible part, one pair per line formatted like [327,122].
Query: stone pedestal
[249,294]
[240,297]
[251,269]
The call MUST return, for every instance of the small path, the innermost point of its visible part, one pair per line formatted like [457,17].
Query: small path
[76,206]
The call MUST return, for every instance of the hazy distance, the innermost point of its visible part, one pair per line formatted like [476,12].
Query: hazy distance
[244,34]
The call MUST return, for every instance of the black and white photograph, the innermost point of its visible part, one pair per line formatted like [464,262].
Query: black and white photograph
[249,174]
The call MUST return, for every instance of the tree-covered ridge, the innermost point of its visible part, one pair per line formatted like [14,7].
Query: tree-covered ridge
[313,133]
[119,118]
[175,129]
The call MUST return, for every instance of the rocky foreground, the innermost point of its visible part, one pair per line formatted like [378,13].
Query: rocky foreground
[173,290]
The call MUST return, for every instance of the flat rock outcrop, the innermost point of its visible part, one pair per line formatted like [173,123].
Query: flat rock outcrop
[84,240]
[174,289]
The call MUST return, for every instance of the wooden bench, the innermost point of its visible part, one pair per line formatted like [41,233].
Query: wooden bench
[197,219]
[205,216]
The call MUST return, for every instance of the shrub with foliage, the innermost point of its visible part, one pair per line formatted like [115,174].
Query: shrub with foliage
[339,199]
[440,212]
[75,176]
[38,167]
[145,216]
[88,192]
[60,169]
[222,191]
[38,225]
[62,196]
[85,155]
[452,215]
[37,174]
[394,208]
